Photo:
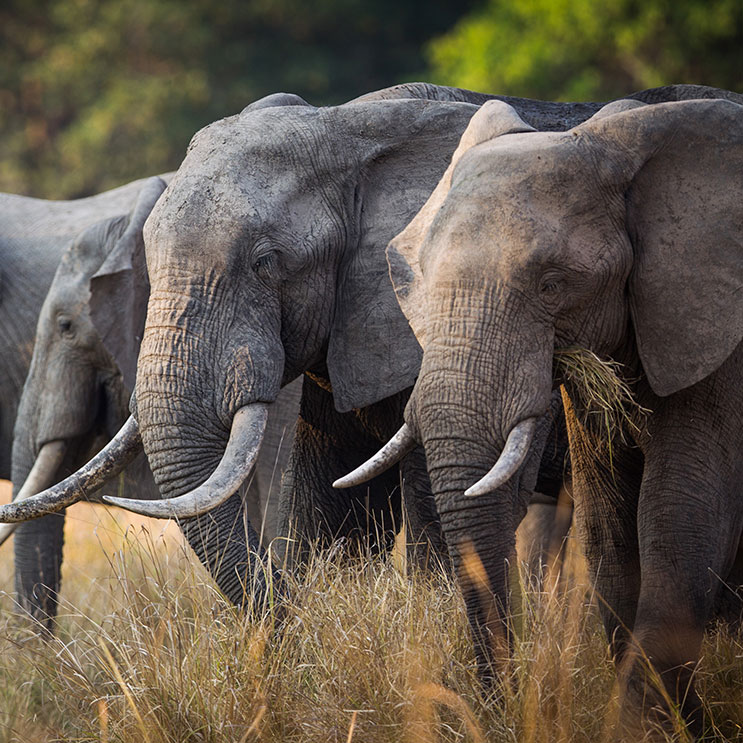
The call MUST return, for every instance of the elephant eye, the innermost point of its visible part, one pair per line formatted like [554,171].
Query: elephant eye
[263,265]
[549,287]
[64,324]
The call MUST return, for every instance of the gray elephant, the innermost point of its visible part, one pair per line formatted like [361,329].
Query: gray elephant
[76,395]
[34,233]
[267,259]
[623,236]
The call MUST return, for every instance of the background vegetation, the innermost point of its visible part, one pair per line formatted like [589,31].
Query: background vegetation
[94,93]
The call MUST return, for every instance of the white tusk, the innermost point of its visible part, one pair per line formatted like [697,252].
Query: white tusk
[109,461]
[42,474]
[511,458]
[248,427]
[393,451]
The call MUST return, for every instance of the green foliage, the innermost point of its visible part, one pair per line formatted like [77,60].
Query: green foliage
[592,49]
[94,93]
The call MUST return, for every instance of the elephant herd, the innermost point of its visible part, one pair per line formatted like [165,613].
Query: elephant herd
[417,257]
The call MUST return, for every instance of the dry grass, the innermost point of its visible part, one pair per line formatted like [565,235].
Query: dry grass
[598,387]
[148,651]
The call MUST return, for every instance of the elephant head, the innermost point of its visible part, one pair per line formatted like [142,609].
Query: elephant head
[622,233]
[76,395]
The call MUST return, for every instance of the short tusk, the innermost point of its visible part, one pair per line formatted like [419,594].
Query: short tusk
[511,458]
[109,462]
[41,476]
[248,428]
[393,451]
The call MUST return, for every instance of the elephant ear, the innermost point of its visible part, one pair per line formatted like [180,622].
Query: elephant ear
[119,290]
[684,201]
[400,149]
[494,119]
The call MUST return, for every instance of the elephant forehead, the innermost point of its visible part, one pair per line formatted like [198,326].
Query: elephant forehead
[535,170]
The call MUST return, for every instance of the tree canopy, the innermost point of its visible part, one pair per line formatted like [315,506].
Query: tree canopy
[592,49]
[94,93]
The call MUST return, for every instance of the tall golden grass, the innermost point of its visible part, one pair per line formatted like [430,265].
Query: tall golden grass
[148,651]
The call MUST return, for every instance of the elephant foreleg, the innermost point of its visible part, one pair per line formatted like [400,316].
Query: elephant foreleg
[38,561]
[327,445]
[605,495]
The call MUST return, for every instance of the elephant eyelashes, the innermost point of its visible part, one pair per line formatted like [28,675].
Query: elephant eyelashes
[549,287]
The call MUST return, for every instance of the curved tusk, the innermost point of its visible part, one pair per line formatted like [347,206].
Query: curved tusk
[108,463]
[511,458]
[248,427]
[42,474]
[393,451]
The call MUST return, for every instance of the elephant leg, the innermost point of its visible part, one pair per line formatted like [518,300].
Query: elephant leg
[426,545]
[688,525]
[38,565]
[729,604]
[605,496]
[540,537]
[328,444]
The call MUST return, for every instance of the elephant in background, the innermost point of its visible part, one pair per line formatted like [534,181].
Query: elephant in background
[623,236]
[76,395]
[34,233]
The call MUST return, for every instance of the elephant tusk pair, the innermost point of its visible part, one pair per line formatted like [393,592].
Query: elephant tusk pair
[41,476]
[246,435]
[511,458]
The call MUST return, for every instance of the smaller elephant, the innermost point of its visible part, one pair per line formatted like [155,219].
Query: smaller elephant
[34,234]
[76,395]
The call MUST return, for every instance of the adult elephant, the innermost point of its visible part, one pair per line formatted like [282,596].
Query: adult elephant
[623,236]
[267,259]
[34,233]
[76,395]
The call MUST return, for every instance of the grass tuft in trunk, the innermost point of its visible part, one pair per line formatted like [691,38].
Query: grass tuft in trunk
[600,394]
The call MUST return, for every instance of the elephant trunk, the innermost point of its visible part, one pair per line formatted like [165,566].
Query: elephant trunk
[484,384]
[202,412]
[38,545]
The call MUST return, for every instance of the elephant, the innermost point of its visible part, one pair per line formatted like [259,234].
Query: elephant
[622,236]
[267,260]
[76,395]
[34,233]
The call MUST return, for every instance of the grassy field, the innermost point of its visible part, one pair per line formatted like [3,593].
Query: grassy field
[148,651]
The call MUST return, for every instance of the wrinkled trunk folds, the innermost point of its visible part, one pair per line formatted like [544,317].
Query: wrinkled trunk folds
[482,375]
[191,380]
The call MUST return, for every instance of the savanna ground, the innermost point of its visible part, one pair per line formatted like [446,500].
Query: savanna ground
[148,651]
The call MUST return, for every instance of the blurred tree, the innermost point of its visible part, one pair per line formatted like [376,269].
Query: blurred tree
[94,93]
[592,49]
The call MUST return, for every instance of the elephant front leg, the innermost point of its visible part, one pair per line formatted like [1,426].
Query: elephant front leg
[38,563]
[605,495]
[328,445]
[689,522]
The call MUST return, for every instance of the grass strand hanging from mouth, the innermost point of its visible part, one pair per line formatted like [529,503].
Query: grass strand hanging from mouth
[600,392]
